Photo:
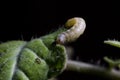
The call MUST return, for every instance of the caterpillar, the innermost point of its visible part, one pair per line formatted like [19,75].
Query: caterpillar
[76,27]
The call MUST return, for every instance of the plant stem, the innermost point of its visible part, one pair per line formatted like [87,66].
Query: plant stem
[92,69]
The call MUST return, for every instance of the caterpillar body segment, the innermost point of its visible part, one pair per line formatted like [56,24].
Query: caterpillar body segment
[76,27]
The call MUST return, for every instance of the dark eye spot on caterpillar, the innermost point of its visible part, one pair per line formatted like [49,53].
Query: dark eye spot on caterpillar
[76,26]
[37,60]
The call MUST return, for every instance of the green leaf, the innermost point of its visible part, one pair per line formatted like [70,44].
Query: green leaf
[14,57]
[112,43]
[38,59]
[112,63]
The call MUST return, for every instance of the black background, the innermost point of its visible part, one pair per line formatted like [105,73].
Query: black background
[35,18]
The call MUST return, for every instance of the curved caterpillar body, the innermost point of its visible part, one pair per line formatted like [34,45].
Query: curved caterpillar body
[77,26]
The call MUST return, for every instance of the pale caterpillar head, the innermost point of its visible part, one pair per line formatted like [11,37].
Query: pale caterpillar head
[77,26]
